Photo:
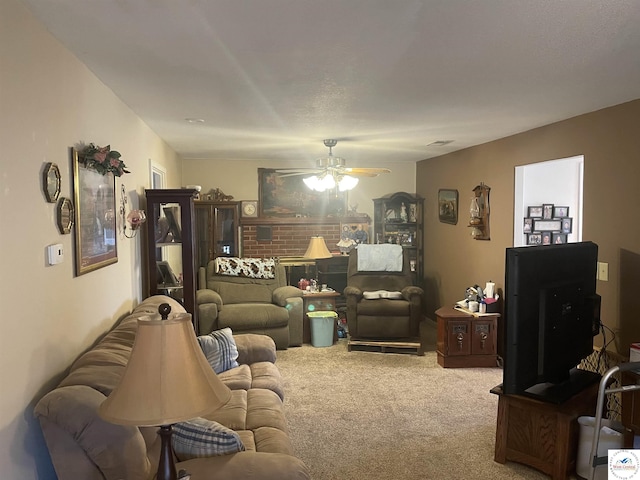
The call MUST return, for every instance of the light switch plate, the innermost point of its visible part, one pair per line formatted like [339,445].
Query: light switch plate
[55,254]
[603,271]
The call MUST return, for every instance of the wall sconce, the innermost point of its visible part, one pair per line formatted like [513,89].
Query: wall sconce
[135,218]
[479,212]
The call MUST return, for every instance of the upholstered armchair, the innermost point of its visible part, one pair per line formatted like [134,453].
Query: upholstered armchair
[375,309]
[234,293]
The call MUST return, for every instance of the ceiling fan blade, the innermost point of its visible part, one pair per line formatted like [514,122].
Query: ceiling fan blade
[362,174]
[365,170]
[294,173]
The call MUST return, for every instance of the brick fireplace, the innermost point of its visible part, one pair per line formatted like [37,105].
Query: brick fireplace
[289,237]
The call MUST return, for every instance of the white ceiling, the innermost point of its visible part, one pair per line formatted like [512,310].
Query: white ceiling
[272,78]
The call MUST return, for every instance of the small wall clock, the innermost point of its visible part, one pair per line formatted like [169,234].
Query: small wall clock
[249,208]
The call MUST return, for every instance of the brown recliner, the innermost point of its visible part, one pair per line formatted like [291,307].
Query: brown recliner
[250,305]
[382,318]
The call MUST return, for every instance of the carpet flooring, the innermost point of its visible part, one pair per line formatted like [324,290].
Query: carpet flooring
[365,415]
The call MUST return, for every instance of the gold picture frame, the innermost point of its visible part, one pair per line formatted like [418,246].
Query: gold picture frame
[95,217]
[286,195]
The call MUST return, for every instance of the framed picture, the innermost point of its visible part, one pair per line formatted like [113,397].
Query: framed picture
[286,195]
[165,275]
[358,232]
[547,211]
[567,224]
[173,224]
[448,206]
[560,212]
[95,218]
[546,238]
[559,238]
[534,239]
[535,211]
[540,225]
[527,227]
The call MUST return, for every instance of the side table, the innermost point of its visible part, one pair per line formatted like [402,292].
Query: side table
[466,340]
[318,302]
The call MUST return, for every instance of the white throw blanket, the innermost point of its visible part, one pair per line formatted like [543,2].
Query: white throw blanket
[384,257]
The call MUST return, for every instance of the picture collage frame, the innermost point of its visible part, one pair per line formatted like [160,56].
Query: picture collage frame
[547,224]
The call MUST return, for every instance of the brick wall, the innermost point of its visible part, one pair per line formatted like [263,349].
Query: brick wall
[287,240]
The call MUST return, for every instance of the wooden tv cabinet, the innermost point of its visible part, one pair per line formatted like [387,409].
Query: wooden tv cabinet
[540,434]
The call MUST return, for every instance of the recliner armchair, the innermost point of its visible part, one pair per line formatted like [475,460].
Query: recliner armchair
[265,306]
[382,318]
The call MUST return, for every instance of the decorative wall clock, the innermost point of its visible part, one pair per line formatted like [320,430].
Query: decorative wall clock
[249,208]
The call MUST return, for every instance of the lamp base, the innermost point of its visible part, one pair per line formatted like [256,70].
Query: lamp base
[166,466]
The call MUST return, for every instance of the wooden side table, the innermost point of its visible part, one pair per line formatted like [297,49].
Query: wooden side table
[466,340]
[318,302]
[540,434]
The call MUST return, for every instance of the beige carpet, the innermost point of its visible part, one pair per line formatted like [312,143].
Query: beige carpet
[363,415]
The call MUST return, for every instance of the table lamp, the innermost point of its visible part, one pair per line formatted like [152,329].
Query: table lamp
[166,380]
[317,249]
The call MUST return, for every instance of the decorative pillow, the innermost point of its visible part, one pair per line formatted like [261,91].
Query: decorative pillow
[246,267]
[220,349]
[200,437]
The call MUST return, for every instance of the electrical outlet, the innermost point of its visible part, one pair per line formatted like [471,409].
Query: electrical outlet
[603,271]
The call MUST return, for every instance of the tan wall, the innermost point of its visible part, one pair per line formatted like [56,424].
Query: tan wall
[50,101]
[610,142]
[240,179]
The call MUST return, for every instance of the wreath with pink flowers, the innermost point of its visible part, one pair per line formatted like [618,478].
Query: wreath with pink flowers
[103,160]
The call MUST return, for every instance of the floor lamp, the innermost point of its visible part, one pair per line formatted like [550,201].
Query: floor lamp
[167,380]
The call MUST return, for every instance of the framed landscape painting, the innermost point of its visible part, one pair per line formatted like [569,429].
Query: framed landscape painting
[285,195]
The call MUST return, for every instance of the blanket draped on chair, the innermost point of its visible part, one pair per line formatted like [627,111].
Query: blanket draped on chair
[246,267]
[384,257]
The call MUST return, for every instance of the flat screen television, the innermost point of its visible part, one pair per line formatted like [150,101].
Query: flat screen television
[552,313]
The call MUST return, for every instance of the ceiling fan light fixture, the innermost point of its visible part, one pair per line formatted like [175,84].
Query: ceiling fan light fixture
[320,183]
[335,174]
[347,182]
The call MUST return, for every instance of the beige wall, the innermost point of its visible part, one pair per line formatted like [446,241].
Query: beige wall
[49,102]
[240,179]
[610,143]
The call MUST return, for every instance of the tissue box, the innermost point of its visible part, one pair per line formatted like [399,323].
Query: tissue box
[634,352]
[492,307]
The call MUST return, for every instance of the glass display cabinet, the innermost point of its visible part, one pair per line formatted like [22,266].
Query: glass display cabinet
[216,230]
[171,245]
[398,219]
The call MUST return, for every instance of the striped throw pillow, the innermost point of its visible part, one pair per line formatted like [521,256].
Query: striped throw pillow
[220,349]
[200,437]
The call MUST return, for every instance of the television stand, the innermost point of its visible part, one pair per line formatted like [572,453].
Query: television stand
[542,435]
[561,392]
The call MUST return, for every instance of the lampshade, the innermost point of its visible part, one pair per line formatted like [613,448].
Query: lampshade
[167,378]
[317,249]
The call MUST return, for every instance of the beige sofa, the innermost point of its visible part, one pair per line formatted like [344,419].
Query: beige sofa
[83,446]
[250,305]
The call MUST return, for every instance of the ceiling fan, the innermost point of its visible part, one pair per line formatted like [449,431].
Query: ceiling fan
[331,172]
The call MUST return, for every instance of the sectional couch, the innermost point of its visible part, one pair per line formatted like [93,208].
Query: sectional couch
[83,446]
